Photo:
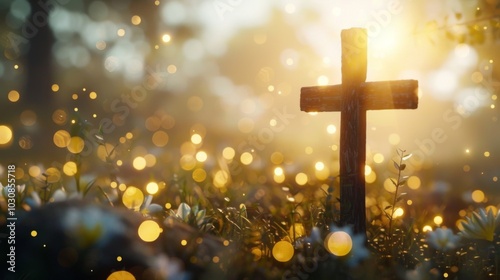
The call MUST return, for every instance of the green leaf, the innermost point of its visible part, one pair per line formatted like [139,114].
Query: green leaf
[402,167]
[183,211]
[402,183]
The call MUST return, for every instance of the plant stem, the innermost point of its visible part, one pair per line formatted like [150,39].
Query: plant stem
[389,236]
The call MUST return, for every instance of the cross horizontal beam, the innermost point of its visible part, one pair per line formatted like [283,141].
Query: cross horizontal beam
[400,94]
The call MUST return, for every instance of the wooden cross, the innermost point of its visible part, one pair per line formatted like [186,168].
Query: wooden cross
[352,98]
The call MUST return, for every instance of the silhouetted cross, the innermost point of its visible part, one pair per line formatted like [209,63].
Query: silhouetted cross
[352,98]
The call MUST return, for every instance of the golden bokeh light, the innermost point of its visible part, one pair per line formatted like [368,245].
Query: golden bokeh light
[92,95]
[278,171]
[221,178]
[478,196]
[277,158]
[139,163]
[53,175]
[75,145]
[427,228]
[70,168]
[322,80]
[378,158]
[171,69]
[331,129]
[413,182]
[398,212]
[187,162]
[28,118]
[201,156]
[166,38]
[160,138]
[279,178]
[438,220]
[150,160]
[13,96]
[283,251]
[153,123]
[319,166]
[121,275]
[6,135]
[394,139]
[368,170]
[152,188]
[338,243]
[34,233]
[61,138]
[199,175]
[228,153]
[389,185]
[136,20]
[149,231]
[55,87]
[257,253]
[34,171]
[60,117]
[196,139]
[133,198]
[246,158]
[371,178]
[301,178]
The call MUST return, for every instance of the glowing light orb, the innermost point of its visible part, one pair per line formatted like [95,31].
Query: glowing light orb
[338,243]
[139,163]
[246,158]
[149,231]
[121,275]
[76,145]
[283,251]
[228,153]
[478,196]
[13,96]
[201,156]
[152,188]
[427,228]
[221,178]
[438,220]
[53,175]
[5,135]
[196,139]
[133,198]
[301,179]
[70,168]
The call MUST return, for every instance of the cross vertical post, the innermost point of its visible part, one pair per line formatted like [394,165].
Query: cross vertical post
[353,130]
[353,98]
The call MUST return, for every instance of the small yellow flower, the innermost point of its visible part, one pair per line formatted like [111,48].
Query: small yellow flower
[480,225]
